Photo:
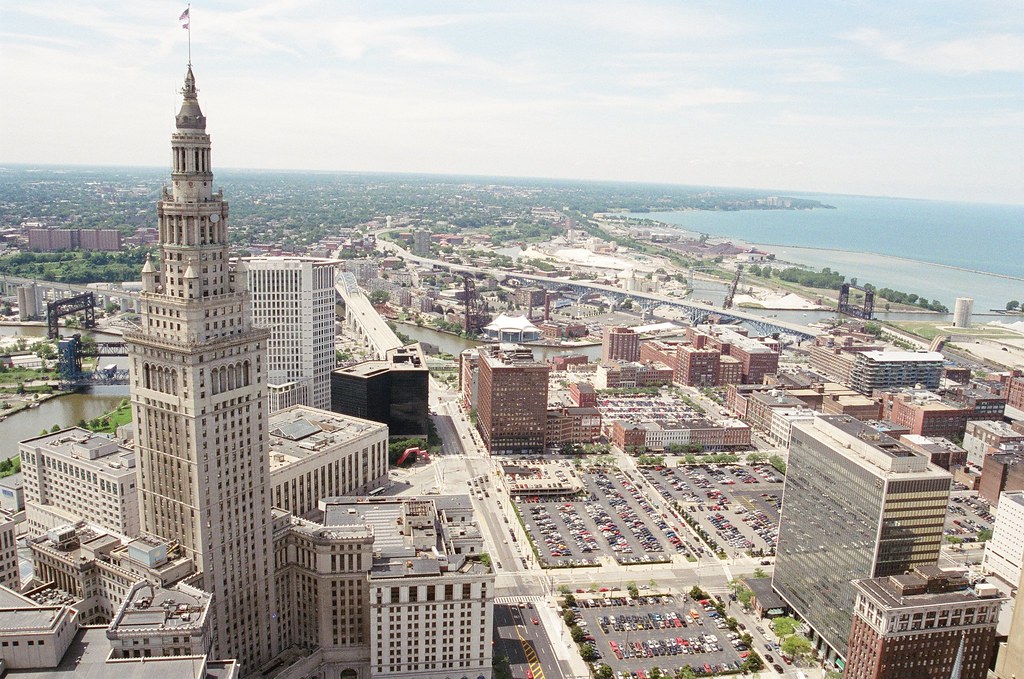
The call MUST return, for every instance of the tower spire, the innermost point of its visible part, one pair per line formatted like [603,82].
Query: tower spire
[190,117]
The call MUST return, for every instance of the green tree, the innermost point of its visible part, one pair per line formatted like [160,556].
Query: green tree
[634,592]
[588,653]
[604,672]
[760,573]
[686,672]
[569,617]
[501,666]
[984,535]
[743,594]
[1012,305]
[777,462]
[796,646]
[784,626]
[753,663]
[379,297]
[577,633]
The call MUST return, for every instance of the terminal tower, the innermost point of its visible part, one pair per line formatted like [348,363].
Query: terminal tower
[199,396]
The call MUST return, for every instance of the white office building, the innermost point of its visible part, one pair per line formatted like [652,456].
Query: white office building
[75,474]
[1004,553]
[294,298]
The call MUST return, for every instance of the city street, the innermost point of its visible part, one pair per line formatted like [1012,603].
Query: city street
[465,467]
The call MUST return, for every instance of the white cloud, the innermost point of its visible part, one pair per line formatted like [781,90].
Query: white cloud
[995,52]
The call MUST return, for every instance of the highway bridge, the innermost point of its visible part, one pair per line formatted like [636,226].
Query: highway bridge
[695,312]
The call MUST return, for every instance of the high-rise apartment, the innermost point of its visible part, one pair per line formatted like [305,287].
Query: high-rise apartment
[294,297]
[857,504]
[198,389]
[923,624]
[512,400]
[620,344]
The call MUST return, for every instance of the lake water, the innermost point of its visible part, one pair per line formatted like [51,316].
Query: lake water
[888,242]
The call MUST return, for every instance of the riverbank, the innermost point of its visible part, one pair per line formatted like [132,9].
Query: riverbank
[22,402]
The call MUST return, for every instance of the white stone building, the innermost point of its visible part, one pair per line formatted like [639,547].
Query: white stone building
[294,298]
[1004,553]
[199,399]
[316,454]
[75,474]
[10,574]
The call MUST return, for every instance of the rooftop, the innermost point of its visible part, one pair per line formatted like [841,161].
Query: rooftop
[902,356]
[411,535]
[19,613]
[90,449]
[86,658]
[159,609]
[919,588]
[300,432]
[869,447]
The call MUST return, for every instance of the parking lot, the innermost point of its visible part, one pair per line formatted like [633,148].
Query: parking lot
[737,505]
[610,517]
[967,515]
[664,631]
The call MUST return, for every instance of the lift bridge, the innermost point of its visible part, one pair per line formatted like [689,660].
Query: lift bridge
[71,351]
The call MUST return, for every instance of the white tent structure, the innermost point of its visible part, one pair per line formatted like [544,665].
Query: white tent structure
[512,329]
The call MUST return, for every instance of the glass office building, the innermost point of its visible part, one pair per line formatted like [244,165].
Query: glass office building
[857,504]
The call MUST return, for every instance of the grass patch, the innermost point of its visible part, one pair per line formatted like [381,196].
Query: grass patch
[109,422]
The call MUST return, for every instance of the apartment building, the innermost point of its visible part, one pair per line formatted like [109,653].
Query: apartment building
[620,344]
[512,400]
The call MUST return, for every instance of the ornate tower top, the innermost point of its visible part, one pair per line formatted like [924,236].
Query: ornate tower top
[190,117]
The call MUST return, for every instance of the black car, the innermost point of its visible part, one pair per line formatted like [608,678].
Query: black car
[778,668]
[769,658]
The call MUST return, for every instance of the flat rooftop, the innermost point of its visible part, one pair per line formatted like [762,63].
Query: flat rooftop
[394,550]
[87,448]
[21,613]
[885,593]
[903,356]
[300,431]
[86,658]
[162,609]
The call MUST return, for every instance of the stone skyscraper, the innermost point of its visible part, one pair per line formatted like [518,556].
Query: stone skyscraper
[198,389]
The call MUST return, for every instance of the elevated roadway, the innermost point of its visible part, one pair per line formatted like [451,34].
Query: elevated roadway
[695,311]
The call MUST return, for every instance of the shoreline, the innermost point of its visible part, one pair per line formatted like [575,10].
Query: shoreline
[953,267]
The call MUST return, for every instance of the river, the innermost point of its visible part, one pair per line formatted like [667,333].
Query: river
[64,411]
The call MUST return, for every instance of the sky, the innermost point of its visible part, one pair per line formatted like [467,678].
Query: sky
[920,99]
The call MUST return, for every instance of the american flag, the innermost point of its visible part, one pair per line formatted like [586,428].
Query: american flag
[185,17]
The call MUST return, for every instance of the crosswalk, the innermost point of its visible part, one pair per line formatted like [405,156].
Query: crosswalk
[515,600]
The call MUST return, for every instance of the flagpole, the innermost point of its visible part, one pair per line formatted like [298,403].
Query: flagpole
[189,9]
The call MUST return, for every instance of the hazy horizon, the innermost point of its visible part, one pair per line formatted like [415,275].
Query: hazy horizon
[917,100]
